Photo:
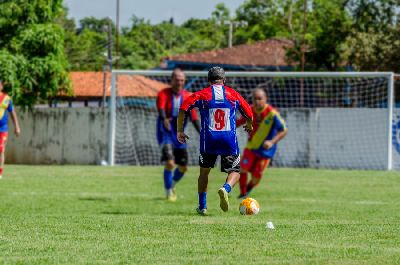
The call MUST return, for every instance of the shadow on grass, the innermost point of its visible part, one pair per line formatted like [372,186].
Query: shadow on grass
[119,213]
[100,199]
[172,213]
[159,199]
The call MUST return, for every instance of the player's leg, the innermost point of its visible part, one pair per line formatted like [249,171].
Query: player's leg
[167,157]
[231,165]
[243,183]
[181,159]
[256,174]
[246,164]
[206,162]
[3,142]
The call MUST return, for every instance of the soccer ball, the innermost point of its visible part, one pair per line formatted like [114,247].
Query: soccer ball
[249,206]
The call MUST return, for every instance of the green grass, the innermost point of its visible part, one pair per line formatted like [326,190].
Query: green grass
[101,215]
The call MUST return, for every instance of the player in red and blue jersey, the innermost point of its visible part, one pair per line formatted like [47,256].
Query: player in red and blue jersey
[174,153]
[6,107]
[217,105]
[268,129]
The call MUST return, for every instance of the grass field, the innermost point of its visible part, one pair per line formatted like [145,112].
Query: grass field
[86,215]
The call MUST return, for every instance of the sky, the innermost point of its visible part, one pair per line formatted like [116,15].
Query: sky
[153,10]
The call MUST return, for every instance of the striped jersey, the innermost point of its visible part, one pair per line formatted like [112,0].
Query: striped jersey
[217,105]
[170,102]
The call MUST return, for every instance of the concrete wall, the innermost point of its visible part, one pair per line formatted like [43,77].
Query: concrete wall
[59,136]
[334,138]
[326,138]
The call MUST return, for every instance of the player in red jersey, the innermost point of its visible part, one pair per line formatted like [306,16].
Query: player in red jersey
[217,104]
[268,129]
[173,152]
[6,107]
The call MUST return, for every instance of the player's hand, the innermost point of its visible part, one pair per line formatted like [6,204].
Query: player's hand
[17,131]
[268,144]
[167,124]
[182,137]
[248,127]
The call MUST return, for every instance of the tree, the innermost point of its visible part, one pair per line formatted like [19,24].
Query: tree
[373,50]
[332,25]
[32,61]
[86,46]
[221,13]
[373,43]
[207,34]
[373,15]
[263,18]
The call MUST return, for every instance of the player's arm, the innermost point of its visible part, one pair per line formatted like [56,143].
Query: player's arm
[161,107]
[13,114]
[245,110]
[240,121]
[195,120]
[186,106]
[282,131]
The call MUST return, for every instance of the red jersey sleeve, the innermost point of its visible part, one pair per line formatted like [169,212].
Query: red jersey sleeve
[189,102]
[193,113]
[240,121]
[161,100]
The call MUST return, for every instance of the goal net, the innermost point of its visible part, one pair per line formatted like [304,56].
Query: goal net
[335,120]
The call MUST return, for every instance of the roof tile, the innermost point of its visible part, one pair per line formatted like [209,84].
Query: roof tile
[271,52]
[91,84]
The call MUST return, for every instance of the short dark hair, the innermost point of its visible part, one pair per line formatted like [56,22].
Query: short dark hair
[216,73]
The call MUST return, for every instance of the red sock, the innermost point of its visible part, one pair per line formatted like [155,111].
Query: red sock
[250,186]
[243,183]
[1,171]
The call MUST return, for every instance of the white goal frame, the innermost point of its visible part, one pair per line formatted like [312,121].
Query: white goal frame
[388,75]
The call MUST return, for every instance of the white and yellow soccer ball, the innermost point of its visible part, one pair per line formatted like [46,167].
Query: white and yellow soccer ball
[249,206]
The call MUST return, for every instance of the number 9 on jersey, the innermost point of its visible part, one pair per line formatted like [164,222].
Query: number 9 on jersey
[219,119]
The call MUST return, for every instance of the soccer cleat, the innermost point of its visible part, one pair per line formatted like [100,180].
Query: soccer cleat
[202,211]
[171,195]
[223,199]
[171,198]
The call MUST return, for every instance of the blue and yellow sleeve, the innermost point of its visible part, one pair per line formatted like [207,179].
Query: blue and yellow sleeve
[279,123]
[10,107]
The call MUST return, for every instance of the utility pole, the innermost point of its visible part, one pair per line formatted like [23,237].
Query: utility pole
[232,24]
[303,39]
[303,49]
[230,34]
[109,50]
[117,35]
[109,58]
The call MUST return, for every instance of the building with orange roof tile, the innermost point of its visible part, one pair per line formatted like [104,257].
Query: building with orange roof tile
[266,55]
[96,86]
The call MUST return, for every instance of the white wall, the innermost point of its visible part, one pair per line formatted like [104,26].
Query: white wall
[322,138]
[59,136]
[335,138]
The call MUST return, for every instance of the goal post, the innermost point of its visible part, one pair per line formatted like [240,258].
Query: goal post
[335,119]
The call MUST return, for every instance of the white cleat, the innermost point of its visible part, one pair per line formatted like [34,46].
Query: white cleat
[223,199]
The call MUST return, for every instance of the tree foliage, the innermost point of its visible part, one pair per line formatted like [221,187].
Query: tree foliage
[32,59]
[330,33]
